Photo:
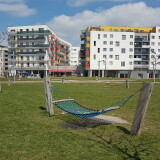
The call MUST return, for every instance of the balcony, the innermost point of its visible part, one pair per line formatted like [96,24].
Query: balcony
[138,39]
[141,66]
[32,46]
[31,39]
[145,52]
[34,32]
[18,53]
[138,45]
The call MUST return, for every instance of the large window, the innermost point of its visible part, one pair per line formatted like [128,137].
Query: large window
[98,36]
[105,35]
[104,42]
[123,63]
[123,37]
[116,57]
[104,49]
[123,50]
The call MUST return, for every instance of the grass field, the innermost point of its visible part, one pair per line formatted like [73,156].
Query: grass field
[28,133]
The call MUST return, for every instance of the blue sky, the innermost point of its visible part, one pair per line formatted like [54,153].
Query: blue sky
[68,17]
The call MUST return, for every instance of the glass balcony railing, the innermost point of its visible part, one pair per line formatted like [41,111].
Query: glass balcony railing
[34,32]
[31,39]
[36,45]
[34,52]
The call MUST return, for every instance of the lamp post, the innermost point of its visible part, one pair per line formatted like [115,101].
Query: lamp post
[156,57]
[105,67]
[99,69]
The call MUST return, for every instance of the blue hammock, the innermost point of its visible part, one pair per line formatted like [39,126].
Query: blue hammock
[72,107]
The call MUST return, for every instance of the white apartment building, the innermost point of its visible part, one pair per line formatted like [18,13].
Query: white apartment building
[36,49]
[121,51]
[74,56]
[3,61]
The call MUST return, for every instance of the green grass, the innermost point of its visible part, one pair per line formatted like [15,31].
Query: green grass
[27,133]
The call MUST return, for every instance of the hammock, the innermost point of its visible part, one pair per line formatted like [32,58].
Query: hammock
[72,107]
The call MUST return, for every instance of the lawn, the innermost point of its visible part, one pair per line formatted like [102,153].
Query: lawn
[28,133]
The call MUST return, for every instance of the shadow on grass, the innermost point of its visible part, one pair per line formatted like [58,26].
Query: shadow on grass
[42,108]
[70,122]
[124,130]
[127,147]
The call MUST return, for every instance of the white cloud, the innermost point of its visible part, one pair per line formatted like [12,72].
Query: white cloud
[77,3]
[11,1]
[135,14]
[19,10]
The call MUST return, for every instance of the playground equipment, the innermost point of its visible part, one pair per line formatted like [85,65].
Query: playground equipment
[69,105]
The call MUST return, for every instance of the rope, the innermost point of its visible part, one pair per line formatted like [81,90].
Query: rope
[78,110]
[62,93]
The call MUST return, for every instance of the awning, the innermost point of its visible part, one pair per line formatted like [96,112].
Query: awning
[60,70]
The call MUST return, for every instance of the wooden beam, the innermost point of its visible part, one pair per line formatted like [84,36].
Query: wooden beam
[141,109]
[48,94]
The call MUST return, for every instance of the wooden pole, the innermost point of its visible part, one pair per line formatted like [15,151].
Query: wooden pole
[47,87]
[141,109]
[0,87]
[127,83]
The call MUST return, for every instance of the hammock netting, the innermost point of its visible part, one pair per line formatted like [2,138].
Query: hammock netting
[72,107]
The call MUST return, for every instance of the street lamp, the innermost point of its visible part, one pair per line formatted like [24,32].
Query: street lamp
[105,67]
[99,69]
[156,57]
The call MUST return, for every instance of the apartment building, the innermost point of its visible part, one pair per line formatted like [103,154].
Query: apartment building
[3,61]
[36,50]
[74,56]
[120,51]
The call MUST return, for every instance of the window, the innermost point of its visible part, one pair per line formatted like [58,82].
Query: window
[94,43]
[117,44]
[131,36]
[111,42]
[94,56]
[159,30]
[104,49]
[152,43]
[111,49]
[152,56]
[110,62]
[130,62]
[153,37]
[158,43]
[131,49]
[122,63]
[158,50]
[98,50]
[116,57]
[105,42]
[104,56]
[105,35]
[131,43]
[110,56]
[130,56]
[123,50]
[111,35]
[123,37]
[98,36]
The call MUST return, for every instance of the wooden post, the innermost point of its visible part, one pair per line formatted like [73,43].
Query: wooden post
[127,83]
[9,81]
[141,108]
[62,80]
[48,95]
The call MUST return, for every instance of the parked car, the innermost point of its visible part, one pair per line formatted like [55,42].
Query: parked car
[34,76]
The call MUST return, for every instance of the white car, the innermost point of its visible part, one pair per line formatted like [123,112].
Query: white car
[34,76]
